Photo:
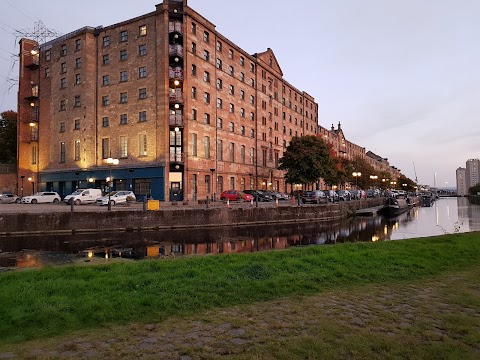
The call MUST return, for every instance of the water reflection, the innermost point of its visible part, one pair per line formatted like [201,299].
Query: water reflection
[447,215]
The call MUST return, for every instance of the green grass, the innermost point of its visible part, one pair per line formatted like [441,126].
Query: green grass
[53,301]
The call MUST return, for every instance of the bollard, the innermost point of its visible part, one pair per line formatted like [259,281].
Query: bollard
[228,203]
[251,202]
[256,200]
[276,202]
[72,204]
[145,203]
[298,203]
[207,202]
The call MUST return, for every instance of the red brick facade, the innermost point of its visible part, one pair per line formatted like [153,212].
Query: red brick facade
[162,91]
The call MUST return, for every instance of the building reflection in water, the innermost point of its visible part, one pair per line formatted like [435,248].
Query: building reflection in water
[106,247]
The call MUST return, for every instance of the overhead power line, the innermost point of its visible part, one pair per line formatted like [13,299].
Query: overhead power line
[23,12]
[40,33]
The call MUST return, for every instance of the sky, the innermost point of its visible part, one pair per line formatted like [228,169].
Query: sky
[402,77]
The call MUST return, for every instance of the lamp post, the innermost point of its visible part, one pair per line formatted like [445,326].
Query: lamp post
[373,178]
[33,184]
[212,183]
[110,162]
[21,189]
[76,181]
[356,175]
[131,178]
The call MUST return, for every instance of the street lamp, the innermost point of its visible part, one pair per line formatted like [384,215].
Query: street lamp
[33,184]
[76,177]
[22,177]
[212,184]
[110,162]
[373,178]
[356,175]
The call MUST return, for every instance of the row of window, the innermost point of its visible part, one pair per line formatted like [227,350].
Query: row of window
[219,65]
[219,47]
[123,36]
[123,120]
[123,148]
[142,51]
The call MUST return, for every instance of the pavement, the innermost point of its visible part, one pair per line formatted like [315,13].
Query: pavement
[138,206]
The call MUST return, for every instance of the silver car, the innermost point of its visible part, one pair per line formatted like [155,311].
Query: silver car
[116,197]
[9,198]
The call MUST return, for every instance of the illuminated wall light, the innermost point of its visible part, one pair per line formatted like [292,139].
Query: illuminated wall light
[32,124]
[91,180]
[177,106]
[32,104]
[176,82]
[177,129]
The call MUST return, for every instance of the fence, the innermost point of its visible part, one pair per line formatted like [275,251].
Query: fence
[8,168]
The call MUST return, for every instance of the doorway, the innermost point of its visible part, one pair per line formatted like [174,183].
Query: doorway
[176,191]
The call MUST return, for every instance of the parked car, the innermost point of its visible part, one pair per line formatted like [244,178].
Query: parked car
[279,195]
[83,196]
[344,195]
[314,197]
[116,197]
[262,195]
[7,198]
[373,193]
[42,197]
[235,195]
[358,194]
[332,196]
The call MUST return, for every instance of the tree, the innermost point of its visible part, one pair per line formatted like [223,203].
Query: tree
[474,190]
[306,160]
[362,166]
[8,137]
[406,183]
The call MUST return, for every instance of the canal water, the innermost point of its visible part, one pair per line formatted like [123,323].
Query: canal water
[447,215]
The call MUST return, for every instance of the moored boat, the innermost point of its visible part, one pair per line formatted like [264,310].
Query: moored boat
[394,207]
[428,199]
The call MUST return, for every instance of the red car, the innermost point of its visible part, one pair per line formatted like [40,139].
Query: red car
[235,195]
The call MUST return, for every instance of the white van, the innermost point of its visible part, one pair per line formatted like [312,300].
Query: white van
[83,196]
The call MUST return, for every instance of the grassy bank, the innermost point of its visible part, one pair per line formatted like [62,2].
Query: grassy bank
[56,301]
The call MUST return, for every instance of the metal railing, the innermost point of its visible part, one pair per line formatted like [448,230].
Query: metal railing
[175,96]
[175,73]
[175,26]
[175,50]
[8,168]
[176,157]
[176,120]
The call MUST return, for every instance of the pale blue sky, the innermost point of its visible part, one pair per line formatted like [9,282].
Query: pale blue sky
[403,77]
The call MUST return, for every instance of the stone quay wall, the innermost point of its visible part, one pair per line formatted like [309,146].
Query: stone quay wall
[84,222]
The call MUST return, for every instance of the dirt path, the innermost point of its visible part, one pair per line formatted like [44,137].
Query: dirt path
[435,319]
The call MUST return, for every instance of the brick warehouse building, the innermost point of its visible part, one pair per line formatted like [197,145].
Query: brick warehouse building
[187,112]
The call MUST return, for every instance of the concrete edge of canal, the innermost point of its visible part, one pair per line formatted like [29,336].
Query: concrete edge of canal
[84,222]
